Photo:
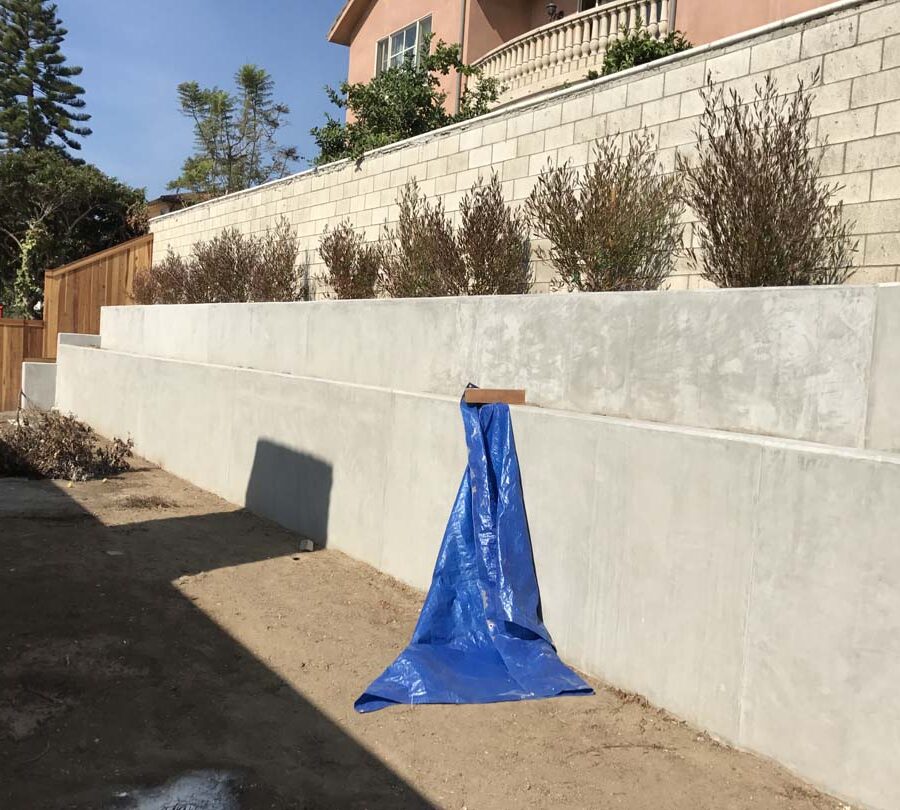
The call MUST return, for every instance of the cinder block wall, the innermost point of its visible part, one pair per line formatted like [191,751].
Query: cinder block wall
[855,45]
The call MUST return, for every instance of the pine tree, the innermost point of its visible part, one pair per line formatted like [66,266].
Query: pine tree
[40,107]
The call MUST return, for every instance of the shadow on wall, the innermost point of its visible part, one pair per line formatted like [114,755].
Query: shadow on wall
[291,488]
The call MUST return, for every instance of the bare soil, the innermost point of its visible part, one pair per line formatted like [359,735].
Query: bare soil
[150,630]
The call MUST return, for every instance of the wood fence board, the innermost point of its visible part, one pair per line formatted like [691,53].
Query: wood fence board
[20,340]
[74,294]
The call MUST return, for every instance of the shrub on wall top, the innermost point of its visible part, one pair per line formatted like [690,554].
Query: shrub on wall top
[487,254]
[352,266]
[766,218]
[229,268]
[614,227]
[640,47]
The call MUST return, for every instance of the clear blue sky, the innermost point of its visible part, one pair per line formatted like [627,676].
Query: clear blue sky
[134,55]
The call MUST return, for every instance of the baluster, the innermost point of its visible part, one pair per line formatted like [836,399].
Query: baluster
[632,17]
[653,21]
[568,33]
[554,51]
[604,37]
[595,35]
[577,36]
[664,18]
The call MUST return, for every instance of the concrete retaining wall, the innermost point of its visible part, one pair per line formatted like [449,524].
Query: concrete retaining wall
[747,583]
[802,363]
[855,45]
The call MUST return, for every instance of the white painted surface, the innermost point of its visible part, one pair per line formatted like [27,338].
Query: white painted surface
[793,362]
[38,385]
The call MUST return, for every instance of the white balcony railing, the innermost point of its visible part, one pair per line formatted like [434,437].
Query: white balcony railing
[565,50]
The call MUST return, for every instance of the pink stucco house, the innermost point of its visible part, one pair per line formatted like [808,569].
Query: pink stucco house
[532,45]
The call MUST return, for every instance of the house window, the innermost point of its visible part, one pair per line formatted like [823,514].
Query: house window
[584,5]
[407,43]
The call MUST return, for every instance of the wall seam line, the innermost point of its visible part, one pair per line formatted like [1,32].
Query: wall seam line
[745,653]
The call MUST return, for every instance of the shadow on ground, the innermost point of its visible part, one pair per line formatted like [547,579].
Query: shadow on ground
[111,678]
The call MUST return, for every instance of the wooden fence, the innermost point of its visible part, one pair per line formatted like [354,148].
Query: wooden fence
[19,340]
[74,293]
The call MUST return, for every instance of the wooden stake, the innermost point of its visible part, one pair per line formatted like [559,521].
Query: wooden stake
[484,396]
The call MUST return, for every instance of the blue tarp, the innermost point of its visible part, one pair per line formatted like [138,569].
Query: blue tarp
[480,637]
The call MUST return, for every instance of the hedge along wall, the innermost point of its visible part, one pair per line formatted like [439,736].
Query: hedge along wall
[855,44]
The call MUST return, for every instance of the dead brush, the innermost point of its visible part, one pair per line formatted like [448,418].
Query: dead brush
[488,253]
[351,264]
[230,268]
[614,226]
[47,444]
[766,216]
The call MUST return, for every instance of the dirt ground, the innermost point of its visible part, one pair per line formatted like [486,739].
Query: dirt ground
[149,630]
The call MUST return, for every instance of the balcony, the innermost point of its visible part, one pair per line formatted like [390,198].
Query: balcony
[563,51]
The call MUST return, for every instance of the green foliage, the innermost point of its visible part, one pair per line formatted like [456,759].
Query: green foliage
[40,107]
[235,144]
[229,268]
[53,211]
[766,215]
[401,102]
[488,254]
[616,226]
[639,47]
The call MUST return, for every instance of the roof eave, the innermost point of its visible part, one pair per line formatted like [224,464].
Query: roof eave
[344,26]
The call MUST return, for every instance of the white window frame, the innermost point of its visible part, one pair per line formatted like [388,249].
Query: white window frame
[382,64]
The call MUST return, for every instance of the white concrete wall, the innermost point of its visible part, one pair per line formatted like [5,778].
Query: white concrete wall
[750,584]
[747,584]
[819,364]
[855,45]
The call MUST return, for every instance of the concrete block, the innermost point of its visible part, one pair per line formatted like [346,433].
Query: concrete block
[578,108]
[879,23]
[609,99]
[547,117]
[876,88]
[852,125]
[470,139]
[505,150]
[681,79]
[883,249]
[831,98]
[480,157]
[888,118]
[644,90]
[563,135]
[852,62]
[828,37]
[854,188]
[729,65]
[590,129]
[530,144]
[876,153]
[38,385]
[891,55]
[874,217]
[664,109]
[494,132]
[775,53]
[886,184]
